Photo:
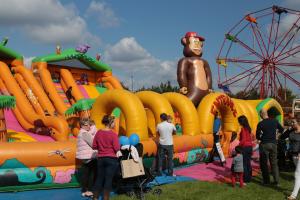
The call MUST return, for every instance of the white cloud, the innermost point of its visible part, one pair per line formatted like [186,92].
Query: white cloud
[103,13]
[128,58]
[292,4]
[289,22]
[47,21]
[126,50]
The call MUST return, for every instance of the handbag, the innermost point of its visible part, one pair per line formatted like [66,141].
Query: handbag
[130,168]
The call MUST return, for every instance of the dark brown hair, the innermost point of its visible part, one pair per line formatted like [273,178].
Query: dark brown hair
[108,120]
[243,121]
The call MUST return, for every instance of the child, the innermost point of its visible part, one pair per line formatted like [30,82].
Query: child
[237,167]
[234,142]
[170,119]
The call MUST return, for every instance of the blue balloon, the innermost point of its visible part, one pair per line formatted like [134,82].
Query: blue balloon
[134,139]
[124,140]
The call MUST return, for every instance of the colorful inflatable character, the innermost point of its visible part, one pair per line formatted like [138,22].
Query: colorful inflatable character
[193,72]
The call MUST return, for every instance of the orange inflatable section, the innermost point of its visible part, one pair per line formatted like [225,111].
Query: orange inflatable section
[60,127]
[50,88]
[47,154]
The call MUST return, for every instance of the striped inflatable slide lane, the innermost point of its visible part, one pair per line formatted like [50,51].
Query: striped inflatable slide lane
[83,91]
[91,91]
[62,94]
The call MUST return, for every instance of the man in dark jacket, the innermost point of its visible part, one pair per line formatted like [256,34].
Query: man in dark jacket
[266,135]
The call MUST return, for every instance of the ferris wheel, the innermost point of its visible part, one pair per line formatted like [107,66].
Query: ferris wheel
[261,52]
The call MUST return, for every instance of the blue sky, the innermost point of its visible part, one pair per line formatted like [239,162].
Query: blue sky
[137,38]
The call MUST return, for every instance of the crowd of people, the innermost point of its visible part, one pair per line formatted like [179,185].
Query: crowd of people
[270,136]
[99,150]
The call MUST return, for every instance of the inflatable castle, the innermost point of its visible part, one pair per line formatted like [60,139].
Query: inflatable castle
[38,150]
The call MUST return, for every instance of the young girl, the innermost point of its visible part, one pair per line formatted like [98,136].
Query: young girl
[234,142]
[237,167]
[246,145]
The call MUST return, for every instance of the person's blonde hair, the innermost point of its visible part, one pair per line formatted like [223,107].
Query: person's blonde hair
[263,113]
[84,122]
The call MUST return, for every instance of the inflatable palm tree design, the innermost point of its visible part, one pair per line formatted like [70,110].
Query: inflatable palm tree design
[81,107]
[6,102]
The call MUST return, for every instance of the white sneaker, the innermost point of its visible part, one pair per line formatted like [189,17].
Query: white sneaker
[87,194]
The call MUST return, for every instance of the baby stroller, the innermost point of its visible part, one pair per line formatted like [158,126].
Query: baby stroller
[135,186]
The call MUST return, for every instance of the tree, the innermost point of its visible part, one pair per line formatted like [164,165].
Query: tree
[5,103]
[124,86]
[162,88]
[285,97]
[252,94]
[82,107]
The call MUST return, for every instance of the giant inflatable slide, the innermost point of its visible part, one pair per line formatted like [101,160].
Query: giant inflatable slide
[41,140]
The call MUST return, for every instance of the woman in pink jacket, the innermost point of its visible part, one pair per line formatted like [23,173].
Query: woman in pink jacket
[87,156]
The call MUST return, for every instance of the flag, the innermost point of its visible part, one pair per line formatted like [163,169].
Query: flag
[225,88]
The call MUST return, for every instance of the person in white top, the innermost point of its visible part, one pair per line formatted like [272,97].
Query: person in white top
[165,131]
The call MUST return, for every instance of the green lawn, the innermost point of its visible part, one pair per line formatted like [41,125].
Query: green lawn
[214,191]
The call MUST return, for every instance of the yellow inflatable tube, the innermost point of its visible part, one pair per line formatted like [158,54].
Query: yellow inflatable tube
[131,107]
[244,108]
[273,108]
[156,103]
[187,112]
[221,103]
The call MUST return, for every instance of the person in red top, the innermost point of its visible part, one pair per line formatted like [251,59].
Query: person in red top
[107,143]
[246,144]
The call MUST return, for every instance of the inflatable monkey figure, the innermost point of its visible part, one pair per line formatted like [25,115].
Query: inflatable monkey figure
[193,72]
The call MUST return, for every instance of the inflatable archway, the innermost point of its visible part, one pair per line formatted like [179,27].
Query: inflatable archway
[244,108]
[157,104]
[221,103]
[131,107]
[187,112]
[273,107]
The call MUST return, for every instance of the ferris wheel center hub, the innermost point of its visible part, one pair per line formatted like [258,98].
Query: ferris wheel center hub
[266,62]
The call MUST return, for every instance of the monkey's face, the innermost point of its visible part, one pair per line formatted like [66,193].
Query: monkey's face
[195,45]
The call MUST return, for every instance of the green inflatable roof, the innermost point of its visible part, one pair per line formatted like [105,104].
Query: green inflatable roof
[72,54]
[6,53]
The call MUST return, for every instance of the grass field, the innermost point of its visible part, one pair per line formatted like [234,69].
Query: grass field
[195,190]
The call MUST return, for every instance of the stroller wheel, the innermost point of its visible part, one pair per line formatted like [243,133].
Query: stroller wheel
[147,189]
[157,191]
[140,195]
[130,194]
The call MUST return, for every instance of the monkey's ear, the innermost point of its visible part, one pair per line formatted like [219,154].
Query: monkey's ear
[183,41]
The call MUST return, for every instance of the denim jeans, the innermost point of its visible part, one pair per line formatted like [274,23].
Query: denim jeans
[267,152]
[88,177]
[106,169]
[164,150]
[297,178]
[247,153]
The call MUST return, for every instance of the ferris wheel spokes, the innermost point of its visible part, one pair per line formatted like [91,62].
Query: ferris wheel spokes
[263,51]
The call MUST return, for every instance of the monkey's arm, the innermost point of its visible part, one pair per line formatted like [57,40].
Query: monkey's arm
[182,72]
[208,74]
